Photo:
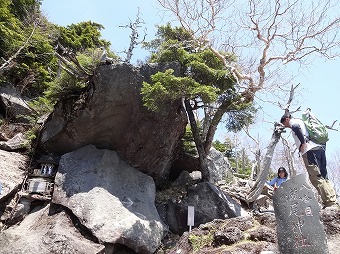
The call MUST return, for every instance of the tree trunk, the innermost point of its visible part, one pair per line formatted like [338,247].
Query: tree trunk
[197,139]
[255,192]
[243,162]
[212,128]
[289,153]
[256,165]
[208,116]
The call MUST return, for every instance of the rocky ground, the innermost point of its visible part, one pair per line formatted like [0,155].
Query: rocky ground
[252,233]
[244,235]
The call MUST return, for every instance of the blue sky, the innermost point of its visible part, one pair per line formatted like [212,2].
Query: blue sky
[111,14]
[319,83]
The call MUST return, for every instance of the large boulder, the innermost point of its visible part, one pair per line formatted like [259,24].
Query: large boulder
[110,198]
[211,203]
[12,171]
[219,166]
[15,143]
[12,105]
[208,200]
[111,115]
[43,233]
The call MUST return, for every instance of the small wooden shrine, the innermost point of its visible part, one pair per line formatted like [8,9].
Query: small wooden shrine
[40,181]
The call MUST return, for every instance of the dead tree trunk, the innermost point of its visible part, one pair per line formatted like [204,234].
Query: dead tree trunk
[261,179]
[289,154]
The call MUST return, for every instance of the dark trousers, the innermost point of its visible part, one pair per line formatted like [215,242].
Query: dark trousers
[318,158]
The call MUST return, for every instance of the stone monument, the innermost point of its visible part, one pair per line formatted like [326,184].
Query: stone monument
[299,229]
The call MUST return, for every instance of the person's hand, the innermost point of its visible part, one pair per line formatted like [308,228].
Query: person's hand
[303,147]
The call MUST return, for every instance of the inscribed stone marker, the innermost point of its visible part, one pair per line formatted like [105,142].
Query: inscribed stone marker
[299,228]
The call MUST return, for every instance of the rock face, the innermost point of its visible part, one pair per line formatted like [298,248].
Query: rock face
[258,233]
[219,166]
[111,115]
[13,144]
[110,198]
[12,105]
[209,203]
[236,235]
[12,167]
[44,234]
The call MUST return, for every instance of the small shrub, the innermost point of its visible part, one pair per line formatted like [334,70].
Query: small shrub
[200,241]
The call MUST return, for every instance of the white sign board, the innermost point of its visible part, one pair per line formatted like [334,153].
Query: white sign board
[35,186]
[191,215]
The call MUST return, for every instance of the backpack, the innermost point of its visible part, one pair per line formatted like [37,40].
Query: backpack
[317,131]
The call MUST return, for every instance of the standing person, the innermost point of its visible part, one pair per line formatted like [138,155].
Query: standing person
[314,158]
[282,176]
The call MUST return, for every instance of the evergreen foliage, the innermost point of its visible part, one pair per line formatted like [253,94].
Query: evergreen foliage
[224,148]
[30,41]
[23,25]
[187,142]
[235,156]
[166,88]
[34,70]
[202,79]
[82,36]
[28,46]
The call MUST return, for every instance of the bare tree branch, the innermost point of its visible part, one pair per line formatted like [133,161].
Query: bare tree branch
[290,99]
[332,126]
[257,166]
[7,63]
[274,32]
[134,36]
[67,57]
[72,70]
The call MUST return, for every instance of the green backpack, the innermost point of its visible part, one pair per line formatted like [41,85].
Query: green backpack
[317,131]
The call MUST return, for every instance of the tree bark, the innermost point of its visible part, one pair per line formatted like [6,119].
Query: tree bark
[289,153]
[255,192]
[210,137]
[197,139]
[213,127]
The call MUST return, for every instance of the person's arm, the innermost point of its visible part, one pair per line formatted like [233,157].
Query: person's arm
[280,181]
[298,132]
[272,181]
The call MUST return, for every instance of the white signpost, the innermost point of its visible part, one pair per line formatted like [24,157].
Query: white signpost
[191,216]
